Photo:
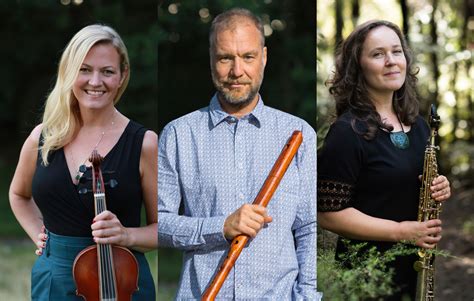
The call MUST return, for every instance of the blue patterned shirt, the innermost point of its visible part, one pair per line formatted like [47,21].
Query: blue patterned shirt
[211,163]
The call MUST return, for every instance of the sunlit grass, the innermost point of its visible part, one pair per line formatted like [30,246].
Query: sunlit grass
[16,260]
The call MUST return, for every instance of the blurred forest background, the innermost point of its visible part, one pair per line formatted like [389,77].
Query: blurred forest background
[440,32]
[441,35]
[34,33]
[184,77]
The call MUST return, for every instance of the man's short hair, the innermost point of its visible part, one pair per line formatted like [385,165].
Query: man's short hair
[230,19]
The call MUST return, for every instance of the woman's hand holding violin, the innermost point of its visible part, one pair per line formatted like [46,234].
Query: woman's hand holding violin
[107,229]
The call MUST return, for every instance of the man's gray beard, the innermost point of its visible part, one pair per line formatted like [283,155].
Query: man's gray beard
[232,101]
[237,102]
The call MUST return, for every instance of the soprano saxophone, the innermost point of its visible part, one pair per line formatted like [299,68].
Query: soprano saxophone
[428,209]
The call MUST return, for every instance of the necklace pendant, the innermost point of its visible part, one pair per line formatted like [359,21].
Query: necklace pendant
[82,168]
[400,140]
[80,172]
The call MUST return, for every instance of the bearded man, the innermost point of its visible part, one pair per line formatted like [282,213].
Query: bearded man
[212,164]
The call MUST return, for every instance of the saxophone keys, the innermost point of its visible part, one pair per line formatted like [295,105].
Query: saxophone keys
[418,266]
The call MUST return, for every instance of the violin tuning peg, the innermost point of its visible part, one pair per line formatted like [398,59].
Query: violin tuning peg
[112,183]
[84,190]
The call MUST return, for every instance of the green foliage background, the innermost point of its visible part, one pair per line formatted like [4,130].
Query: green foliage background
[441,35]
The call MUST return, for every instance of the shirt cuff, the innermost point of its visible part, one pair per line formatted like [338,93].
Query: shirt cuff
[213,231]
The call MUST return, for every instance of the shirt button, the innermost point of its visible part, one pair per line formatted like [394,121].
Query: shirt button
[241,195]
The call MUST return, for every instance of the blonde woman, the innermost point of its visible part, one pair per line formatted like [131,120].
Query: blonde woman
[50,191]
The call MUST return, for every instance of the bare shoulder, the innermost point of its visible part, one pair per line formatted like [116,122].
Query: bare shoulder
[35,134]
[149,154]
[22,179]
[150,142]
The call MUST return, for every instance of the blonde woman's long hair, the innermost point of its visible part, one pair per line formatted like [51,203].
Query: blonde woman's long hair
[61,116]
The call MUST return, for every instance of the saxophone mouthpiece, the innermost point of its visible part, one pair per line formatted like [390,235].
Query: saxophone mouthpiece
[434,118]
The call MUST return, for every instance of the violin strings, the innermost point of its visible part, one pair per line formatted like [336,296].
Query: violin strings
[106,270]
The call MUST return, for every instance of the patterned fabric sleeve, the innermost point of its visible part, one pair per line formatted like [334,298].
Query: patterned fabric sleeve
[339,163]
[304,227]
[175,230]
[334,195]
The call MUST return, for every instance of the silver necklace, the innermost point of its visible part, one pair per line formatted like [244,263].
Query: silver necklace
[82,168]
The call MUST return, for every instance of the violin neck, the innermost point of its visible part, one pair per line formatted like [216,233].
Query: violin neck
[99,201]
[108,288]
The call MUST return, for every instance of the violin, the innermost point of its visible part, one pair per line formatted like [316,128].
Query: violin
[104,272]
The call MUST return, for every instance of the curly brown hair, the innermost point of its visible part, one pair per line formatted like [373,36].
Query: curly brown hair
[349,87]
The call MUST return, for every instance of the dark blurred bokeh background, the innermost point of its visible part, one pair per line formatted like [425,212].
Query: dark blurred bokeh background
[184,77]
[33,35]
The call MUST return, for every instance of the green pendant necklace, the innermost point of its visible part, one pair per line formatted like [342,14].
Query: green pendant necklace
[400,139]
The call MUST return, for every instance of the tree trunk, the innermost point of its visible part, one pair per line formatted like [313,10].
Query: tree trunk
[434,54]
[456,117]
[405,16]
[339,22]
[468,13]
[355,12]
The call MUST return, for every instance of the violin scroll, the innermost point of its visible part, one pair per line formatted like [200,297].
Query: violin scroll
[96,159]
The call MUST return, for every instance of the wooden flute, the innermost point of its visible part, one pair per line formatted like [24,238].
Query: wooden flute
[263,198]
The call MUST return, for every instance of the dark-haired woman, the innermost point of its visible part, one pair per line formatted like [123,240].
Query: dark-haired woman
[372,157]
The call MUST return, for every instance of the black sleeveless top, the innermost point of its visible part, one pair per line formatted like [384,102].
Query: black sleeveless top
[68,212]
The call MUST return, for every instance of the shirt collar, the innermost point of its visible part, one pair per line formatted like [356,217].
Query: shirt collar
[218,115]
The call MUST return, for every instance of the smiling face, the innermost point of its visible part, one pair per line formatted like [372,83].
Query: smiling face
[99,77]
[238,60]
[383,62]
